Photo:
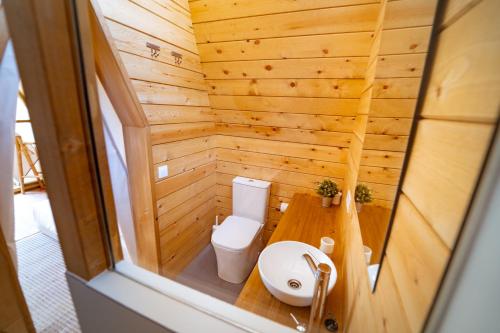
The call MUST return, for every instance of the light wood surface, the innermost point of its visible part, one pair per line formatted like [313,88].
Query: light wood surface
[373,224]
[179,124]
[393,80]
[284,81]
[118,88]
[450,145]
[54,94]
[305,221]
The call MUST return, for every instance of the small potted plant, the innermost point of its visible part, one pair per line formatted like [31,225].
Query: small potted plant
[327,189]
[362,195]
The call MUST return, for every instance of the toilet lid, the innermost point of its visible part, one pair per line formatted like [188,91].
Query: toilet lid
[236,233]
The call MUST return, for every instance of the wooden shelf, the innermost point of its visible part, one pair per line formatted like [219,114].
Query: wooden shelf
[305,221]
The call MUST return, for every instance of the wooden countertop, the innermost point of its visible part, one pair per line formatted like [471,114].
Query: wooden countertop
[373,223]
[305,221]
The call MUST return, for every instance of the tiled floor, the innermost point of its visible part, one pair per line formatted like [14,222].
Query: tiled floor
[201,274]
[41,270]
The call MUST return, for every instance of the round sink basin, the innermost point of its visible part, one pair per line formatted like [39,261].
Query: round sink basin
[287,275]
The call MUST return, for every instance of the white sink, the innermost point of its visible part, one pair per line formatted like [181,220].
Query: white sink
[281,265]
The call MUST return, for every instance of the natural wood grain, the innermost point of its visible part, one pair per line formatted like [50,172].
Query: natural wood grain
[418,258]
[373,223]
[172,150]
[312,46]
[210,10]
[328,68]
[440,178]
[45,41]
[134,42]
[445,163]
[286,135]
[331,88]
[112,73]
[462,79]
[303,105]
[347,19]
[305,221]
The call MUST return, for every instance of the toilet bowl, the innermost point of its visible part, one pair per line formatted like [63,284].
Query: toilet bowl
[238,240]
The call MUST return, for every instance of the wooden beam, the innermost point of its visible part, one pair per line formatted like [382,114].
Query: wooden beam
[114,78]
[46,45]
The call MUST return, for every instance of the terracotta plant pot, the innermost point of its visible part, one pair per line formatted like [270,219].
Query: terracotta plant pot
[326,201]
[359,205]
[337,198]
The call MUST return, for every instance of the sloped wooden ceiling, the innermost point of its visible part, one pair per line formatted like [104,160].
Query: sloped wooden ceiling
[173,95]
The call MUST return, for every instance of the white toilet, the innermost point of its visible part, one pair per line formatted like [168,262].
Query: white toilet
[238,241]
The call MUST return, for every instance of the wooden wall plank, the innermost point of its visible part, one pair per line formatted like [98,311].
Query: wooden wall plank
[158,114]
[463,78]
[314,106]
[171,150]
[155,93]
[327,169]
[142,19]
[210,10]
[335,139]
[311,46]
[299,121]
[173,200]
[347,19]
[188,162]
[328,68]
[333,88]
[444,158]
[450,145]
[299,150]
[173,184]
[177,132]
[134,42]
[418,258]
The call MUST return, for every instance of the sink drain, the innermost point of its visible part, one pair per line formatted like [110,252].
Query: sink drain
[294,284]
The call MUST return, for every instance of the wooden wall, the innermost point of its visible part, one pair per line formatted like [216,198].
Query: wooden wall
[459,115]
[284,84]
[175,101]
[389,97]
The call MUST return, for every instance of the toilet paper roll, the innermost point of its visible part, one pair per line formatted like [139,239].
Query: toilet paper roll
[283,207]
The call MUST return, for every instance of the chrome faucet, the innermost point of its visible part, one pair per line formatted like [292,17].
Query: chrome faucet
[322,276]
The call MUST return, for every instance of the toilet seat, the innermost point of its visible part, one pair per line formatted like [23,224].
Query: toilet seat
[236,233]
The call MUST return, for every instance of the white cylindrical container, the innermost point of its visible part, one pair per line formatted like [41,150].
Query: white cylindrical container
[368,254]
[337,198]
[327,245]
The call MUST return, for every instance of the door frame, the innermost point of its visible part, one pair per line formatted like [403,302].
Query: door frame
[52,40]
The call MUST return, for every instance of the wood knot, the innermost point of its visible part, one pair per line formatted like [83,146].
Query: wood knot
[269,67]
